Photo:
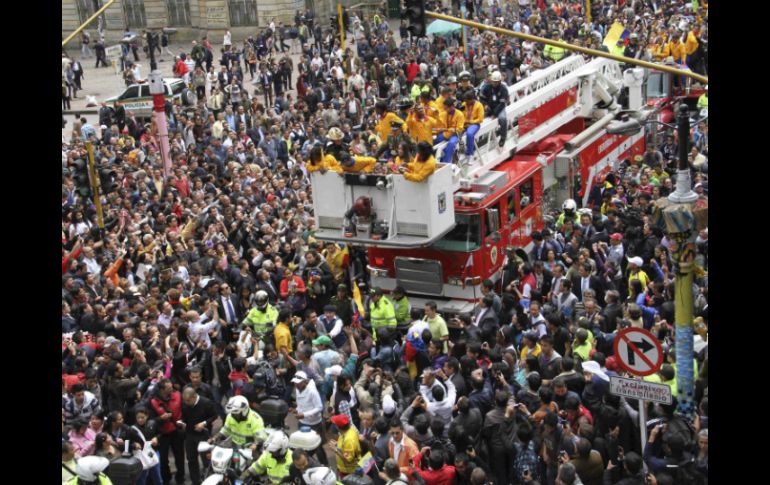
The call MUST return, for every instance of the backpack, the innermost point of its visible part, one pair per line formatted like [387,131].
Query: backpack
[684,473]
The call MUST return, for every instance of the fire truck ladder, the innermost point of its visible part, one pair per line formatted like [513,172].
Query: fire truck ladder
[539,105]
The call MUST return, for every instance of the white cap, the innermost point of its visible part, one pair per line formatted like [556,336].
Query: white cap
[636,260]
[299,377]
[388,404]
[334,370]
[593,367]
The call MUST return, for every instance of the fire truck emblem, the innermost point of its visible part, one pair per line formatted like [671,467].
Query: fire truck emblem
[441,202]
[493,255]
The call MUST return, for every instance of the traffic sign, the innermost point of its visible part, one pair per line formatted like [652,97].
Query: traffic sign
[638,351]
[638,389]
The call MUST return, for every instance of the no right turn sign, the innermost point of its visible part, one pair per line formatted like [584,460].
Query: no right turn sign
[638,351]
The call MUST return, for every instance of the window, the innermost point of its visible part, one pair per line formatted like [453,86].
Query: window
[511,203]
[525,193]
[134,12]
[131,92]
[86,8]
[177,87]
[466,235]
[178,13]
[243,13]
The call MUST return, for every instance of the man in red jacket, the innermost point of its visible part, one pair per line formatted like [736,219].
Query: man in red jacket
[167,404]
[438,473]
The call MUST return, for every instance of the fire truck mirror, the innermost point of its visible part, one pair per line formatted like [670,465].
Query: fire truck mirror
[493,221]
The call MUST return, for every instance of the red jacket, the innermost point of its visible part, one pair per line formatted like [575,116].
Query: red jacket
[444,476]
[173,406]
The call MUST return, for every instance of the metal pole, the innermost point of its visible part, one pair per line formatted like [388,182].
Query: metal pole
[342,26]
[85,24]
[684,264]
[643,422]
[95,184]
[464,11]
[157,89]
[571,47]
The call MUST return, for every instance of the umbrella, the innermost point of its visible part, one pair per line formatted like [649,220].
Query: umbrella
[442,27]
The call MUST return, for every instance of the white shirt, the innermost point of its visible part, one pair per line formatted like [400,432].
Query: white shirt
[227,39]
[165,320]
[92,266]
[397,447]
[309,404]
[200,330]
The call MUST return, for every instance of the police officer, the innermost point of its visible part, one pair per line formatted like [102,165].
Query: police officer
[274,462]
[495,97]
[554,53]
[569,211]
[402,307]
[336,146]
[381,312]
[243,425]
[397,136]
[404,106]
[262,318]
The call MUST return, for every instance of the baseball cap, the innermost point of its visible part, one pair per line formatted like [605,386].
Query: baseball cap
[636,260]
[322,340]
[340,420]
[616,237]
[388,405]
[299,377]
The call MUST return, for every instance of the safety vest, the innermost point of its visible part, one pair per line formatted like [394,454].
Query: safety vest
[262,321]
[703,101]
[103,480]
[382,315]
[250,429]
[554,53]
[267,465]
[402,309]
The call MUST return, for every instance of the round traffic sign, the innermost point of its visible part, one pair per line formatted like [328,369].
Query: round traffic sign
[638,351]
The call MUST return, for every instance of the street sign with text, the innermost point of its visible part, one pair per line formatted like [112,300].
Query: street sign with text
[638,389]
[638,351]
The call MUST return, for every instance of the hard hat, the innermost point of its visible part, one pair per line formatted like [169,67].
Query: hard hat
[89,467]
[405,102]
[634,36]
[320,475]
[238,406]
[569,205]
[451,80]
[465,75]
[261,299]
[334,133]
[496,77]
[304,439]
[277,442]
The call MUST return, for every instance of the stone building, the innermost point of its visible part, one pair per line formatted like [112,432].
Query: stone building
[191,18]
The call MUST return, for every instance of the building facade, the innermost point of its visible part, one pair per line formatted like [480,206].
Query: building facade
[191,18]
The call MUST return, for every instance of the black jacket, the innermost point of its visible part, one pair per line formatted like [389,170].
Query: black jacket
[203,410]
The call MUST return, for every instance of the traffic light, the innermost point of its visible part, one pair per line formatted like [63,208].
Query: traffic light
[80,177]
[107,180]
[415,13]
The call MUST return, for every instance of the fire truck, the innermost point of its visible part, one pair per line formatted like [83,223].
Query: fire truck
[439,239]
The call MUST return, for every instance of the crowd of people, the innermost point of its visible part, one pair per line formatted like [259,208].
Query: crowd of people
[206,292]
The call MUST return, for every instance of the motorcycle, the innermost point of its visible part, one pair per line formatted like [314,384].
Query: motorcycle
[228,461]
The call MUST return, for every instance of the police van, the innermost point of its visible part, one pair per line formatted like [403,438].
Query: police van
[137,98]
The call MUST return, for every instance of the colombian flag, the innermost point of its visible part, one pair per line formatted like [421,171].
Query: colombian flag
[358,315]
[616,32]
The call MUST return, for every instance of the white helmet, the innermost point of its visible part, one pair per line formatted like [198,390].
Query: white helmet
[320,475]
[277,442]
[496,77]
[569,205]
[89,467]
[334,133]
[261,299]
[238,406]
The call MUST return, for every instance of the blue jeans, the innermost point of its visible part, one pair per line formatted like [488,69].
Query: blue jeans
[450,149]
[470,139]
[154,475]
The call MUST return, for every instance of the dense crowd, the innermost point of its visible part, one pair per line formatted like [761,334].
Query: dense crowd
[206,294]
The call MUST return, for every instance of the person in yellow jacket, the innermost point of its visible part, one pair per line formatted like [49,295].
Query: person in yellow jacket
[474,115]
[347,446]
[450,127]
[321,163]
[430,106]
[386,117]
[357,164]
[381,312]
[446,93]
[703,101]
[555,53]
[690,46]
[274,462]
[619,49]
[677,49]
[420,125]
[423,166]
[90,469]
[660,49]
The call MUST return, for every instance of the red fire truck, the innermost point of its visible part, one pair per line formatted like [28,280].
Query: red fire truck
[441,238]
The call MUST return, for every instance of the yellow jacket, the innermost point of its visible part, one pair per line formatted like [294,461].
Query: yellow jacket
[361,163]
[328,162]
[383,127]
[691,44]
[419,171]
[439,104]
[452,123]
[421,130]
[475,115]
[431,108]
[677,50]
[661,51]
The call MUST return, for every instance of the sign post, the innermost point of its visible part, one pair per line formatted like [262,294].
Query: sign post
[640,353]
